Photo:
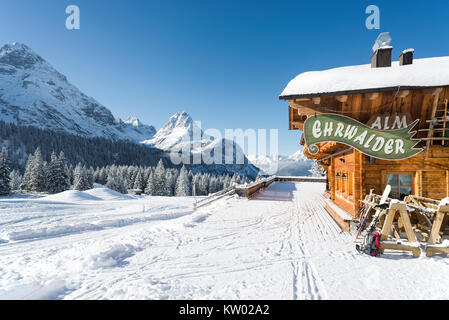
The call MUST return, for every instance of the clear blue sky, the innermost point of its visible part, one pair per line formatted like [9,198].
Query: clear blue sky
[224,62]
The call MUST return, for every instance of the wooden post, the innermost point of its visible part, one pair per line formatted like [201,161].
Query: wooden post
[436,226]
[435,233]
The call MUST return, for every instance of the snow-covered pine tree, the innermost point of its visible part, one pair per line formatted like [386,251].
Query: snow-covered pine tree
[65,178]
[53,175]
[196,191]
[5,187]
[26,182]
[149,190]
[57,179]
[114,180]
[317,170]
[103,176]
[226,182]
[183,185]
[71,172]
[90,177]
[213,185]
[80,179]
[16,180]
[37,177]
[204,184]
[170,183]
[159,186]
[138,181]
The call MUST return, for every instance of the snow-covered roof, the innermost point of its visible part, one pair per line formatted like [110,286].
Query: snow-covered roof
[423,73]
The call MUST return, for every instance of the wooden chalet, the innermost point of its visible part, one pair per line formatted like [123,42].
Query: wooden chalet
[389,95]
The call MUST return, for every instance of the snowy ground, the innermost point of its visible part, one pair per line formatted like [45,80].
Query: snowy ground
[281,245]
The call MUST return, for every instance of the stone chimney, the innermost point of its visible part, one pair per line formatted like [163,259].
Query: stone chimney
[381,58]
[406,57]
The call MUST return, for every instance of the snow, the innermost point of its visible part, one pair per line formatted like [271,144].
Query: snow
[281,245]
[408,50]
[422,73]
[444,202]
[104,193]
[71,196]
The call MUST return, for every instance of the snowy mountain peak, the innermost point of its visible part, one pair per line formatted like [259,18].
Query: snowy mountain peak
[178,128]
[135,122]
[33,93]
[179,120]
[19,55]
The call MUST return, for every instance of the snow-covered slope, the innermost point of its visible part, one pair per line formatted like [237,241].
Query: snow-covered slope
[33,93]
[294,165]
[282,245]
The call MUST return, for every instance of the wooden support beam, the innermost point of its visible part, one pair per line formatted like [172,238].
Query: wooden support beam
[416,251]
[404,93]
[342,99]
[372,96]
[302,100]
[434,237]
[433,91]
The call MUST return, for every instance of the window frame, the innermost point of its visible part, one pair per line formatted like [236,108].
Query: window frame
[399,173]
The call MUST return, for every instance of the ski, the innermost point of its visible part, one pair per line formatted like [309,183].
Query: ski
[379,208]
[365,214]
[368,241]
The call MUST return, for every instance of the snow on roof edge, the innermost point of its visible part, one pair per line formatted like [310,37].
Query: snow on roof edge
[423,73]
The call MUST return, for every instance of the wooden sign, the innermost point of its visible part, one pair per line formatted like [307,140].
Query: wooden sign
[390,122]
[381,144]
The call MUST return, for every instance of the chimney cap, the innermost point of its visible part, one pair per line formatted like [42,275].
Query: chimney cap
[408,51]
[384,48]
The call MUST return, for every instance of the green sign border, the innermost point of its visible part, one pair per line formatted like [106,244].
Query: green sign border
[404,134]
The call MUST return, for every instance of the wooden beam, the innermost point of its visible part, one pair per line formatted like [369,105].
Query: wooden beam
[301,100]
[433,91]
[298,125]
[372,96]
[404,93]
[335,155]
[342,99]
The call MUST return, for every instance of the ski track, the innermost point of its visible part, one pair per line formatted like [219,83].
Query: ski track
[280,245]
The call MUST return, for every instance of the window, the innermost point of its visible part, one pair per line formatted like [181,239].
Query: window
[401,185]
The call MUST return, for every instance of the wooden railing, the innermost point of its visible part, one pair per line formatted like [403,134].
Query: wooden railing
[249,190]
[213,197]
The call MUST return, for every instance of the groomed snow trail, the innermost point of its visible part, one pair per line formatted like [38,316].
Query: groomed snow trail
[280,245]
